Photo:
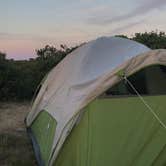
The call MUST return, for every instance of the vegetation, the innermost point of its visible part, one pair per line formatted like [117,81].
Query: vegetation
[19,79]
[15,145]
[15,149]
[154,40]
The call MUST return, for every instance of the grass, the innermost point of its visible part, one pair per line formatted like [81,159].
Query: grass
[15,145]
[16,150]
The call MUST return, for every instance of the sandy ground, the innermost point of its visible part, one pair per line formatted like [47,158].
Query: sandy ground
[12,116]
[15,146]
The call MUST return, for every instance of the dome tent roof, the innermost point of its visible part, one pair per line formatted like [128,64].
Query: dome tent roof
[106,53]
[79,78]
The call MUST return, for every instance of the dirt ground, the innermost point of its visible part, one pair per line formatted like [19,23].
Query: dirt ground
[15,146]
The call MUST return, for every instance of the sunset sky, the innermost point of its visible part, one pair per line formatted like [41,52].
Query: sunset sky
[30,24]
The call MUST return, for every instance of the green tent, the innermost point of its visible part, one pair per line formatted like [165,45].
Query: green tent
[104,104]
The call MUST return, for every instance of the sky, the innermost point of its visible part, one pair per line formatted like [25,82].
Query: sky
[27,25]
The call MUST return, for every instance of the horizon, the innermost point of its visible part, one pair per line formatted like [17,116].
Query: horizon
[27,26]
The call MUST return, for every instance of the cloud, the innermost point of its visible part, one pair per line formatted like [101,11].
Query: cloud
[19,36]
[126,27]
[144,8]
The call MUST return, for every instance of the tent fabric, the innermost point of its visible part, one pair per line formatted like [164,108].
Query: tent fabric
[43,128]
[116,134]
[83,75]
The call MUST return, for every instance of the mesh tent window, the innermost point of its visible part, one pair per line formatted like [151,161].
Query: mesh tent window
[148,81]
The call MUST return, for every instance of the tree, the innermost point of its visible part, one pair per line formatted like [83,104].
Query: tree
[50,56]
[153,39]
[122,36]
[2,56]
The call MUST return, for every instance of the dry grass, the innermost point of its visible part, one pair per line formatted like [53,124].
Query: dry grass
[15,146]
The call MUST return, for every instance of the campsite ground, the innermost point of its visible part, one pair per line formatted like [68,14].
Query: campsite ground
[15,146]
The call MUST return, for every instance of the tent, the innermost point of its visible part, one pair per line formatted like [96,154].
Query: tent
[104,104]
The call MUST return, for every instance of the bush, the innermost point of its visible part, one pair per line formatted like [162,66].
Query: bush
[19,79]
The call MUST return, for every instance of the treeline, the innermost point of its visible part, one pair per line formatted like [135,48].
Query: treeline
[19,79]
